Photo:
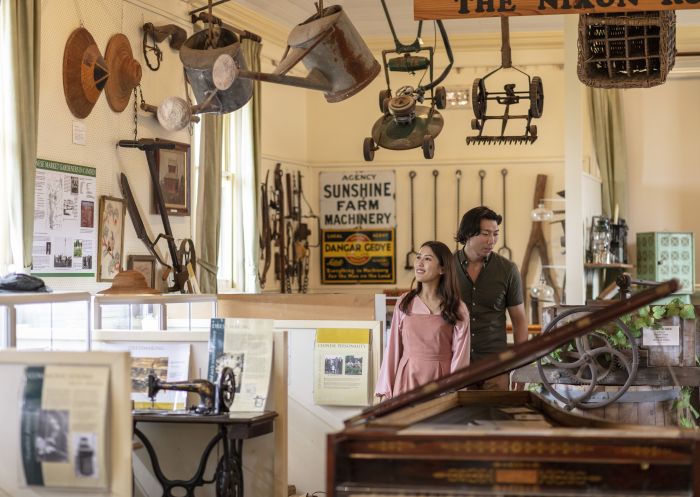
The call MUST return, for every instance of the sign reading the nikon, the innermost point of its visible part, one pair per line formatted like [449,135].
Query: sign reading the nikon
[358,256]
[357,200]
[459,9]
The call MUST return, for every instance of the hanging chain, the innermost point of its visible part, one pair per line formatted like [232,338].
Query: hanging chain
[136,110]
[190,125]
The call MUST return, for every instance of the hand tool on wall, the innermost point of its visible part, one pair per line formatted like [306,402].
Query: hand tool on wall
[435,203]
[505,249]
[301,239]
[158,34]
[482,175]
[265,236]
[409,263]
[538,242]
[458,174]
[150,146]
[279,233]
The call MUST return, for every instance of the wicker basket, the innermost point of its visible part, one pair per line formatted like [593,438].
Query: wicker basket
[626,50]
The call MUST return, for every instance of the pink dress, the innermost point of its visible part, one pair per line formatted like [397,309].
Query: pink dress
[422,347]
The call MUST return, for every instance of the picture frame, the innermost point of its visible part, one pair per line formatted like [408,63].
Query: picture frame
[173,167]
[144,264]
[110,237]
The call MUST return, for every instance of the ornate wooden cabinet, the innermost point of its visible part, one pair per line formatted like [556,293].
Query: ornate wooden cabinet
[438,440]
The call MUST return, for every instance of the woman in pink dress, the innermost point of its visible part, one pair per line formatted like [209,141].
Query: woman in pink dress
[429,336]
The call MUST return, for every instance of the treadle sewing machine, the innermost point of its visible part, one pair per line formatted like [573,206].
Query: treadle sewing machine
[213,399]
[439,440]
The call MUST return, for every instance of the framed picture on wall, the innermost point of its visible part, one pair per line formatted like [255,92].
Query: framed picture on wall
[110,237]
[144,264]
[173,167]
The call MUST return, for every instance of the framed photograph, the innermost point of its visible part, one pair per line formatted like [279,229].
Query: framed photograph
[110,237]
[173,166]
[144,264]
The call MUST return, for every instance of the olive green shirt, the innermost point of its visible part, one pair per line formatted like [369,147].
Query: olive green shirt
[496,288]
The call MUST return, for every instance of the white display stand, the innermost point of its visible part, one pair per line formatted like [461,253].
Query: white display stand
[306,423]
[118,419]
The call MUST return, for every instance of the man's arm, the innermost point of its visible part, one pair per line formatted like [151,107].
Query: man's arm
[519,321]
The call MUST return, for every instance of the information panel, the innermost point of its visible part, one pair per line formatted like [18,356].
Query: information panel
[64,220]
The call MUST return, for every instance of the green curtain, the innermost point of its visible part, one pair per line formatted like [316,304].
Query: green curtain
[20,37]
[209,200]
[251,53]
[608,135]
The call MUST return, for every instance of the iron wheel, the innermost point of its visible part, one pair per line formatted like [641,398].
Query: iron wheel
[428,146]
[479,98]
[228,480]
[440,97]
[536,97]
[368,148]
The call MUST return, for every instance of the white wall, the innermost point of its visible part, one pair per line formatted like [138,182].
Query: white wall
[103,126]
[662,158]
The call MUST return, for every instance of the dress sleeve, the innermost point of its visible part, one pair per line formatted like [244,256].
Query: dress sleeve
[461,341]
[392,355]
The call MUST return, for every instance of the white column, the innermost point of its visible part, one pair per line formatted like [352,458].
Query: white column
[573,155]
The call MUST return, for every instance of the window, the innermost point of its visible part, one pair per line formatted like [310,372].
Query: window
[236,245]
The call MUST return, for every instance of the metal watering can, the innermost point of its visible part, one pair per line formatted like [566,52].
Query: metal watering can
[339,62]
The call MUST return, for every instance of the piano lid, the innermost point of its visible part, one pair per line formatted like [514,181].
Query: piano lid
[517,355]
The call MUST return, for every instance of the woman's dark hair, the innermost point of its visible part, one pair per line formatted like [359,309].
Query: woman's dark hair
[471,222]
[448,289]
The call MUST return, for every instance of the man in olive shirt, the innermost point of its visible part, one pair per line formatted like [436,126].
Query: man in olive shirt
[490,285]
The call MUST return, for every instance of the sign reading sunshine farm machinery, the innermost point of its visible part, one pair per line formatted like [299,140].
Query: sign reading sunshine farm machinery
[358,227]
[352,256]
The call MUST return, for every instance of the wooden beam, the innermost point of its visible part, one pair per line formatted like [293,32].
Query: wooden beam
[465,9]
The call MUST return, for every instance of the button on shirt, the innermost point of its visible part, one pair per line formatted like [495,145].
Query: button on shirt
[496,288]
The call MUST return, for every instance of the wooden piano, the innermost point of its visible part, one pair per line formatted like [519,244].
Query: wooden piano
[441,440]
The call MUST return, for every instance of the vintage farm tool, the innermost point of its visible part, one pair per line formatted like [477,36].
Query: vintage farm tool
[158,34]
[538,242]
[458,177]
[265,238]
[412,252]
[507,98]
[435,203]
[482,176]
[181,275]
[505,250]
[405,123]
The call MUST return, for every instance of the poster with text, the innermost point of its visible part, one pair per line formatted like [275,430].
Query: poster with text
[167,361]
[341,367]
[245,346]
[358,200]
[353,256]
[63,427]
[64,220]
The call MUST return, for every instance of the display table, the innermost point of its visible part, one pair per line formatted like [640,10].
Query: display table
[232,430]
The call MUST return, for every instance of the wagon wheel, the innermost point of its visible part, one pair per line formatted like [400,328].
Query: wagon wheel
[383,96]
[588,360]
[440,97]
[428,146]
[229,481]
[226,389]
[368,148]
[479,98]
[536,97]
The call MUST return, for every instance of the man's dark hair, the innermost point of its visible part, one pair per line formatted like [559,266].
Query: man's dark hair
[471,222]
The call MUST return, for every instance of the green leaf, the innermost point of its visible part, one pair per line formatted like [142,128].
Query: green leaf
[643,312]
[673,311]
[688,311]
[658,311]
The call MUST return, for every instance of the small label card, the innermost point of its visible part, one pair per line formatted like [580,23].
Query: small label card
[79,133]
[665,336]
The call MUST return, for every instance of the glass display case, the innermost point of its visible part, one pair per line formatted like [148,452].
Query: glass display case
[171,312]
[45,321]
